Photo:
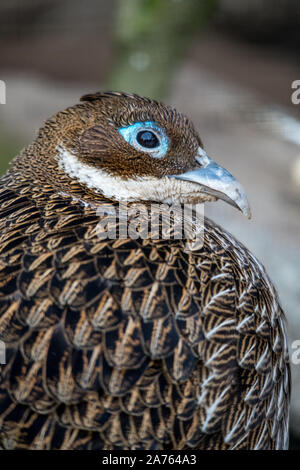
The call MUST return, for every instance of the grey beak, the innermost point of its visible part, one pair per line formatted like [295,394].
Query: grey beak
[217,181]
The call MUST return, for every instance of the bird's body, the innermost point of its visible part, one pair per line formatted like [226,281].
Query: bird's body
[124,343]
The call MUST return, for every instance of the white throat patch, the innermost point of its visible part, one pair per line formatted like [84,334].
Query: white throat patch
[166,190]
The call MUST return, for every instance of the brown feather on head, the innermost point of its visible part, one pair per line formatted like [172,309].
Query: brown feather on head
[103,146]
[130,147]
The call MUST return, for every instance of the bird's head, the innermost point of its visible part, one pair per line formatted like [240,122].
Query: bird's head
[136,149]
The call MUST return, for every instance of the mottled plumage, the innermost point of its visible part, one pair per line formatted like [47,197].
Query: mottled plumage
[122,343]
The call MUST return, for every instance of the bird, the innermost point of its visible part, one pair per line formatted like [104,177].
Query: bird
[132,342]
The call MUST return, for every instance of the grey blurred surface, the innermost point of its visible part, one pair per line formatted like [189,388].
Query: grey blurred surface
[238,132]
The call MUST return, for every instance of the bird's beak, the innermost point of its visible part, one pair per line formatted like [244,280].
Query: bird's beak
[218,182]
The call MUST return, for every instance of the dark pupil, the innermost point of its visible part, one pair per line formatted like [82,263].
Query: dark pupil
[147,139]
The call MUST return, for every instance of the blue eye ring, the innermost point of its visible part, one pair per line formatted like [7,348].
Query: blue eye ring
[158,135]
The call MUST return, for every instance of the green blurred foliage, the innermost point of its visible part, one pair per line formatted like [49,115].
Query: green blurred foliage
[151,36]
[10,146]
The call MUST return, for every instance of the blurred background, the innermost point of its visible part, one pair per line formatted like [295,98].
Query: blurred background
[227,64]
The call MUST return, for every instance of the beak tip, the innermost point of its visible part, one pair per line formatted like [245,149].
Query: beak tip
[245,209]
[249,215]
[242,203]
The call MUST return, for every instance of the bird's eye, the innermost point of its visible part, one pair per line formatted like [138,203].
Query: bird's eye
[146,137]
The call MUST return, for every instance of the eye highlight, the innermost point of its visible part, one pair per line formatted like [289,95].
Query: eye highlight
[146,137]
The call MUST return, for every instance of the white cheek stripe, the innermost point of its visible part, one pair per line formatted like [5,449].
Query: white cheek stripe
[111,186]
[114,187]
